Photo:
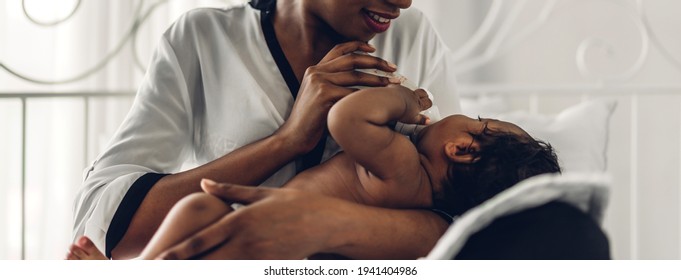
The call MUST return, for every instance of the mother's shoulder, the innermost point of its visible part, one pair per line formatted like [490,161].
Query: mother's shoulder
[202,24]
[206,15]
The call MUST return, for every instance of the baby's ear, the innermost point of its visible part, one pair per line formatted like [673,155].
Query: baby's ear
[460,152]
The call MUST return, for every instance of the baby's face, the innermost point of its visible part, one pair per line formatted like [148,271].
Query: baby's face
[459,129]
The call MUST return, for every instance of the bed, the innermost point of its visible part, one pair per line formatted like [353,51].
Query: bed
[599,80]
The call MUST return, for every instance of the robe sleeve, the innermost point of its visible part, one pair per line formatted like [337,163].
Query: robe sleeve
[152,141]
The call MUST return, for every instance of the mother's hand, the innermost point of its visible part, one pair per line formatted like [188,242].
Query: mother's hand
[327,82]
[278,224]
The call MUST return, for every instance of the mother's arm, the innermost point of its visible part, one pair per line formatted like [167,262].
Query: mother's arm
[293,224]
[249,165]
[322,85]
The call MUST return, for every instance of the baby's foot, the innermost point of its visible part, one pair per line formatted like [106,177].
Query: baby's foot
[84,249]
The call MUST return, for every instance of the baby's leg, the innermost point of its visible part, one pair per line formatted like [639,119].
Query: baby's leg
[188,216]
[84,249]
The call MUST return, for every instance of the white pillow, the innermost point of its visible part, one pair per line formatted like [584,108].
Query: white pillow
[579,133]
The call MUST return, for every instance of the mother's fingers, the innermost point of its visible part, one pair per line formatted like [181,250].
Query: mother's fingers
[346,48]
[353,61]
[356,78]
[234,193]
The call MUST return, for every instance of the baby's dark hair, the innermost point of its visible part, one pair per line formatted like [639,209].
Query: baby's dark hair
[504,159]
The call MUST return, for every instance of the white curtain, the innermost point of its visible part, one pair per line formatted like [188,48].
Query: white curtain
[58,129]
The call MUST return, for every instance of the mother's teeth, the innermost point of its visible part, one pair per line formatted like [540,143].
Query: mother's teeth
[379,18]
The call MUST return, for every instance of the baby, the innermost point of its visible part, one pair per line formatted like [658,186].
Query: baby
[448,166]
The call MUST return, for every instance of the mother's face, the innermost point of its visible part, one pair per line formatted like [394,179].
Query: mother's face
[358,19]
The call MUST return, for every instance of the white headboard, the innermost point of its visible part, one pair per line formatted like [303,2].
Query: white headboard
[545,56]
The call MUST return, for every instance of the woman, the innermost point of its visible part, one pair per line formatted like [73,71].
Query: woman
[241,95]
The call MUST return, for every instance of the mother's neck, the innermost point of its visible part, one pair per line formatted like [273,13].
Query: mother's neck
[304,37]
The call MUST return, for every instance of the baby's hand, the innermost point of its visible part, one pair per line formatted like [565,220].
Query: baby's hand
[417,101]
[422,102]
[422,99]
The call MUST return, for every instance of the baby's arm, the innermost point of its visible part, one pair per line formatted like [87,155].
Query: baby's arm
[359,123]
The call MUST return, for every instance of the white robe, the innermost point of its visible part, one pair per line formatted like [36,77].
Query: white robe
[213,87]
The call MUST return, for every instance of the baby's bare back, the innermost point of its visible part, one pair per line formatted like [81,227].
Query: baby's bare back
[343,178]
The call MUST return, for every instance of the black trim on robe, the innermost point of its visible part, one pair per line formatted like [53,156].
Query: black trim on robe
[138,191]
[267,9]
[278,53]
[126,210]
[314,157]
[263,4]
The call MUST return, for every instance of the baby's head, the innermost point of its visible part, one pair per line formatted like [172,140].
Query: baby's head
[479,158]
